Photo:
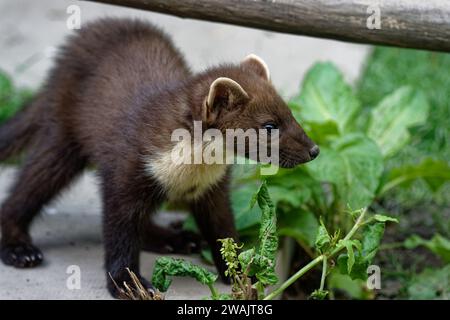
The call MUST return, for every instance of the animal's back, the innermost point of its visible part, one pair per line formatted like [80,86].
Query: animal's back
[134,45]
[105,74]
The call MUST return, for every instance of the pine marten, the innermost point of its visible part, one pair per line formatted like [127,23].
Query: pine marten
[118,89]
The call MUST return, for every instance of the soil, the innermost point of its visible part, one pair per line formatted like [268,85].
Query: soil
[397,265]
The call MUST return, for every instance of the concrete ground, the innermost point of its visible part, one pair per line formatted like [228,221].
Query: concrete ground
[69,234]
[69,230]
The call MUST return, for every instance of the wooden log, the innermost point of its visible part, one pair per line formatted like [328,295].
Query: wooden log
[421,24]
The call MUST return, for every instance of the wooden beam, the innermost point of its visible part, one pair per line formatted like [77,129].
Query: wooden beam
[421,24]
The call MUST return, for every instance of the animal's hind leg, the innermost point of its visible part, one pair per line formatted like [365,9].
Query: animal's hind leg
[50,166]
[168,239]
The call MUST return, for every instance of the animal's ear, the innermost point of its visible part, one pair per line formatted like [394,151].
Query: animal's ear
[223,93]
[256,64]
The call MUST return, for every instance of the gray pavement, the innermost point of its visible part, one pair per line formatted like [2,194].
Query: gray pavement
[69,234]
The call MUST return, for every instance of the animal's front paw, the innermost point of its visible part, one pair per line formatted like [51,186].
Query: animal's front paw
[130,286]
[21,255]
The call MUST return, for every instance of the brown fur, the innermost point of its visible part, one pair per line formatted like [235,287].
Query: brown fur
[118,90]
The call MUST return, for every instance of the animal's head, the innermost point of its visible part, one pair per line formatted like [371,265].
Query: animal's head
[244,98]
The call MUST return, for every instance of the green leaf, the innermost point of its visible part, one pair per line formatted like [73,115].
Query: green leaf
[434,172]
[207,257]
[323,239]
[372,236]
[392,117]
[166,267]
[259,266]
[353,287]
[427,71]
[246,216]
[349,244]
[6,87]
[245,259]
[263,258]
[354,165]
[438,245]
[430,284]
[11,104]
[190,224]
[287,195]
[268,238]
[268,232]
[384,218]
[326,97]
[356,267]
[350,258]
[293,187]
[321,133]
[300,225]
[11,98]
[389,68]
[319,294]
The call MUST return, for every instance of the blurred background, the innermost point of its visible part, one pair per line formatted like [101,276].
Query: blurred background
[32,30]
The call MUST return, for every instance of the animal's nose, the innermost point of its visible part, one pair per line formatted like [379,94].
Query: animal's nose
[314,152]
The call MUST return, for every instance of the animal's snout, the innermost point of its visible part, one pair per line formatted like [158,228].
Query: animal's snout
[314,152]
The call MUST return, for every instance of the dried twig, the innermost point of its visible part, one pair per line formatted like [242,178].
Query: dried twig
[135,291]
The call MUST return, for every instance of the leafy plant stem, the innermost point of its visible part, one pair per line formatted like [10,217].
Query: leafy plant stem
[359,222]
[319,259]
[214,293]
[294,278]
[240,283]
[324,273]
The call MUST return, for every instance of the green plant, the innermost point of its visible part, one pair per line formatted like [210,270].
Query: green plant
[430,284]
[352,171]
[385,70]
[388,68]
[259,262]
[355,168]
[11,98]
[438,244]
[165,267]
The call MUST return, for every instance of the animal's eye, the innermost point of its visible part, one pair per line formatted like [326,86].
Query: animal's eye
[269,126]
